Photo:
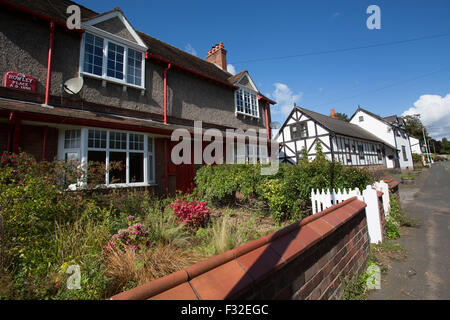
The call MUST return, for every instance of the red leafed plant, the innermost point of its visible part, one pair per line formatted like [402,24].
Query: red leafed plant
[193,214]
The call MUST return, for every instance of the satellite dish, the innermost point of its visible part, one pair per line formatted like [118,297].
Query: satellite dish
[275,125]
[74,85]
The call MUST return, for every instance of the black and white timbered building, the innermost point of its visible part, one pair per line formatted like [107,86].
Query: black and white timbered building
[341,141]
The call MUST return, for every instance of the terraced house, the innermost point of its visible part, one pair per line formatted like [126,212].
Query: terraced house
[130,92]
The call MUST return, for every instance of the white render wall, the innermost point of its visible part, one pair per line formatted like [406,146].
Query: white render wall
[386,133]
[415,145]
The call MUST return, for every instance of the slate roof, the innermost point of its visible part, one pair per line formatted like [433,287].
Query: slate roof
[342,127]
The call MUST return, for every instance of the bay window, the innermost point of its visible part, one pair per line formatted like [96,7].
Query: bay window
[131,153]
[112,61]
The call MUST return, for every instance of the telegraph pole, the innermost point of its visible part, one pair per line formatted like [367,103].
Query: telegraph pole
[426,145]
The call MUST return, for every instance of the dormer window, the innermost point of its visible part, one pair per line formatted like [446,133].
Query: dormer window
[247,102]
[111,61]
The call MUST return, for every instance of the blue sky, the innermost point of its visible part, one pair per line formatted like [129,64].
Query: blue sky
[387,80]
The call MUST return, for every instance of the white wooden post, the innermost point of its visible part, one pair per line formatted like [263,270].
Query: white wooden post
[384,187]
[373,215]
[313,200]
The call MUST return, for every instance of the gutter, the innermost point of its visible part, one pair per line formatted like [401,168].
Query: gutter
[149,55]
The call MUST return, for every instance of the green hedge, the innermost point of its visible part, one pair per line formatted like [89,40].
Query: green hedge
[286,193]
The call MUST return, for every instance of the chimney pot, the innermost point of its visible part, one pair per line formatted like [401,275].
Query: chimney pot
[218,56]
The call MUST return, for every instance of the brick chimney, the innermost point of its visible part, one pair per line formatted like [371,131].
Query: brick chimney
[333,114]
[218,56]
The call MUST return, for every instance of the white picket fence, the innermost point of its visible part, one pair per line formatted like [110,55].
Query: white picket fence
[322,200]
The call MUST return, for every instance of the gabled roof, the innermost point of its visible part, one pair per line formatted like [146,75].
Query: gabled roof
[391,120]
[340,126]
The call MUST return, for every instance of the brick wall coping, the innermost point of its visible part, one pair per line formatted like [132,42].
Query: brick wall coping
[392,183]
[225,275]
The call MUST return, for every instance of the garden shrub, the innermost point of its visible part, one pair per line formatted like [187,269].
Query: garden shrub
[193,214]
[287,193]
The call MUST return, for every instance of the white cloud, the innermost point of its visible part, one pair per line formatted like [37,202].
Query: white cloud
[434,112]
[231,69]
[189,48]
[285,98]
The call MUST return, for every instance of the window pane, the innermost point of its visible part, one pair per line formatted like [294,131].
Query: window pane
[134,67]
[136,167]
[115,61]
[72,139]
[119,161]
[97,139]
[93,54]
[117,140]
[96,164]
[136,141]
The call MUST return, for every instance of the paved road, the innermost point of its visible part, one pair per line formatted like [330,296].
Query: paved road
[426,272]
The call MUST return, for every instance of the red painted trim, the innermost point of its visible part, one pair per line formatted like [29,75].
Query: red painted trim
[266,107]
[49,62]
[165,91]
[150,55]
[46,118]
[45,143]
[37,15]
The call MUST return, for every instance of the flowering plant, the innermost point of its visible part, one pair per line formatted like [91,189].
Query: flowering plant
[135,237]
[193,214]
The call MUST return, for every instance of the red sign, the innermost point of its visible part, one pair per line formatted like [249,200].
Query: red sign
[15,80]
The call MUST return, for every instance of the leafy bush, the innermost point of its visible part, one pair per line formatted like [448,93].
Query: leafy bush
[417,158]
[287,193]
[193,214]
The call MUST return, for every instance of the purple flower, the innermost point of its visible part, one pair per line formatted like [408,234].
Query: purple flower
[131,218]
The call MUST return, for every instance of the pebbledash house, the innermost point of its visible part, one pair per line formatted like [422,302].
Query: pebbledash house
[107,92]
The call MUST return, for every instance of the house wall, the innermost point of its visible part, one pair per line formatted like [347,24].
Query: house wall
[415,145]
[346,150]
[291,147]
[25,49]
[333,146]
[386,132]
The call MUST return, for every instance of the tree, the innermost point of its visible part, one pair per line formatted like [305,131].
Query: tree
[414,126]
[445,146]
[343,116]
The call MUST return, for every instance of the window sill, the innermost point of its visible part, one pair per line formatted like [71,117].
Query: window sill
[247,115]
[75,187]
[112,80]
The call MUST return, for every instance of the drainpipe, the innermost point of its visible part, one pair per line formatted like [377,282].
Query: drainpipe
[49,63]
[266,109]
[165,91]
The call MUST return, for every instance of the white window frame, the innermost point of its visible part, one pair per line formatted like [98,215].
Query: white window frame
[104,76]
[252,106]
[149,177]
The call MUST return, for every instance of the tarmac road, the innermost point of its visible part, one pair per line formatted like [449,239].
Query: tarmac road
[425,275]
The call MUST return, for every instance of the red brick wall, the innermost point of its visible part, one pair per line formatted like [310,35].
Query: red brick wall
[316,273]
[306,260]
